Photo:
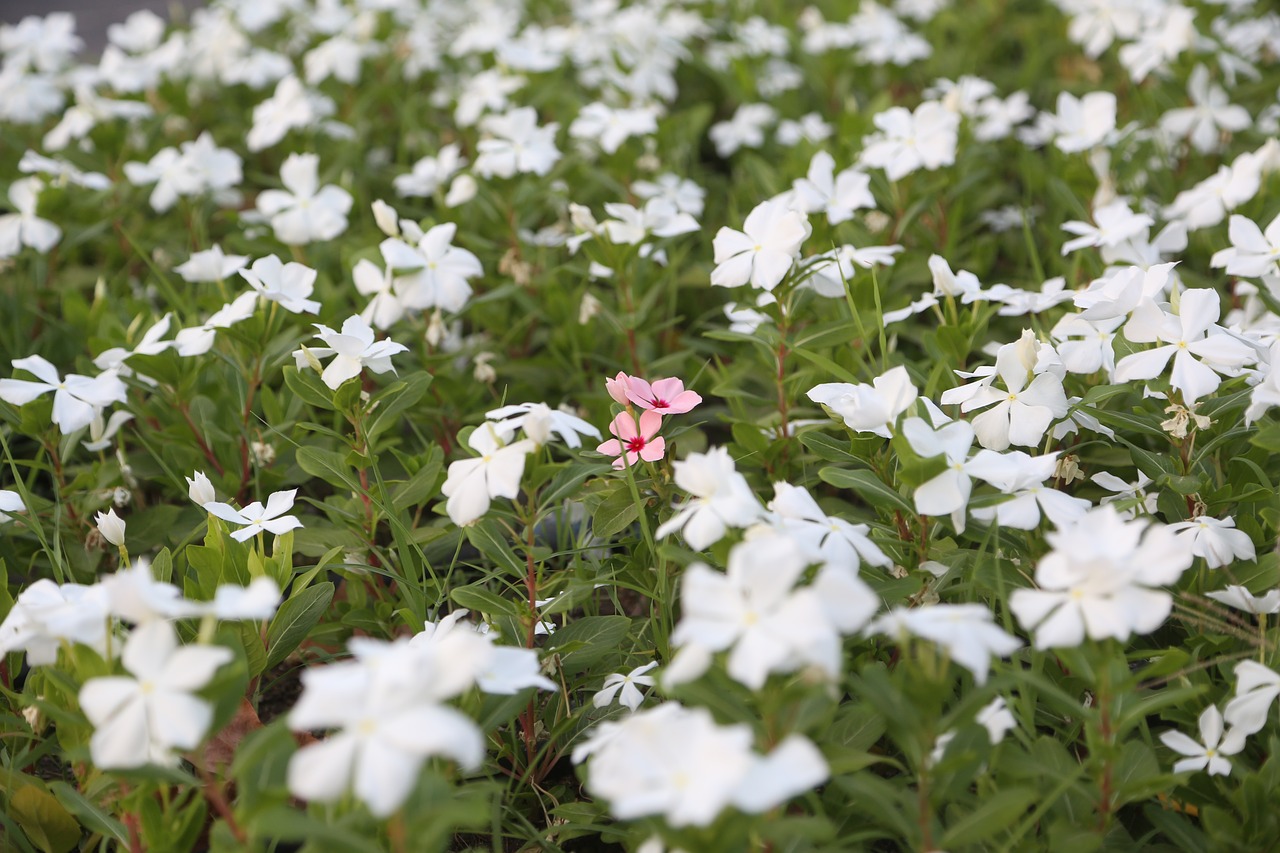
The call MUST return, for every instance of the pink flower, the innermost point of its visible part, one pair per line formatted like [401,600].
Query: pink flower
[666,396]
[632,444]
[618,387]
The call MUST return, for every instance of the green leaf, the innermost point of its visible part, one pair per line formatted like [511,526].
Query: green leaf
[295,619]
[829,448]
[422,485]
[567,482]
[49,826]
[868,486]
[1267,438]
[481,600]
[588,640]
[254,650]
[485,538]
[329,465]
[308,387]
[838,373]
[395,401]
[285,824]
[993,815]
[88,813]
[616,513]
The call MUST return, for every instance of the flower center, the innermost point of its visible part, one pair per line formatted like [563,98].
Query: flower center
[635,445]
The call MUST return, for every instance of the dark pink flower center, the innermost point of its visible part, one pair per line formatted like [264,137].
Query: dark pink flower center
[635,445]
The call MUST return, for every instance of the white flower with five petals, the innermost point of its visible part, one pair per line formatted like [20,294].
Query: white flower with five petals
[147,718]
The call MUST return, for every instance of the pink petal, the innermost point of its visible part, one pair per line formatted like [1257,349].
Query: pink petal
[650,423]
[618,387]
[667,389]
[623,426]
[654,450]
[683,402]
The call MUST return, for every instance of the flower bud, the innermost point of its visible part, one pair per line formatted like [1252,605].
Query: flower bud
[387,219]
[111,526]
[461,191]
[200,490]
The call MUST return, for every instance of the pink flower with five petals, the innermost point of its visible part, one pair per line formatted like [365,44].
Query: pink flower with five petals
[665,396]
[632,443]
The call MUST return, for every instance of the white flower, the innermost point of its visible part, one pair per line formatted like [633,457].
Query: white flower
[763,252]
[24,228]
[610,127]
[870,408]
[472,483]
[948,492]
[307,212]
[198,340]
[1257,687]
[678,763]
[387,719]
[1129,493]
[289,107]
[1266,394]
[288,284]
[353,349]
[145,719]
[624,687]
[173,175]
[47,615]
[830,279]
[1022,476]
[1191,338]
[210,265]
[1240,598]
[1211,113]
[720,499]
[824,538]
[1116,224]
[539,422]
[744,130]
[101,432]
[200,490]
[1099,580]
[838,196]
[257,518]
[908,140]
[1082,123]
[1216,540]
[434,272]
[431,173]
[10,501]
[111,527]
[1085,346]
[658,217]
[965,632]
[755,610]
[76,399]
[1023,410]
[1210,754]
[1253,252]
[687,196]
[515,143]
